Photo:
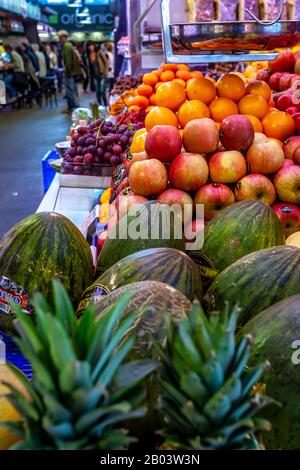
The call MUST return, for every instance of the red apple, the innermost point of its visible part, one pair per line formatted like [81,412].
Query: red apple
[191,229]
[101,239]
[188,171]
[175,196]
[285,101]
[255,186]
[296,118]
[264,75]
[236,133]
[292,110]
[163,142]
[288,162]
[265,157]
[285,62]
[227,167]
[289,216]
[214,197]
[148,177]
[296,157]
[274,80]
[290,145]
[130,202]
[135,157]
[287,184]
[201,136]
[285,81]
[259,136]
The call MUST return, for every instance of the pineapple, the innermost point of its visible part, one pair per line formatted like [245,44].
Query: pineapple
[82,391]
[207,397]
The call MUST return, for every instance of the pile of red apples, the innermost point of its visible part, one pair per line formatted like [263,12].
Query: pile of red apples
[204,165]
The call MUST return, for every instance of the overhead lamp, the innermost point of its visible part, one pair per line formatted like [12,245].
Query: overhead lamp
[87,20]
[85,12]
[75,4]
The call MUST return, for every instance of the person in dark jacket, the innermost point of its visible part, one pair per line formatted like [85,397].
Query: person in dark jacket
[28,51]
[72,71]
[96,65]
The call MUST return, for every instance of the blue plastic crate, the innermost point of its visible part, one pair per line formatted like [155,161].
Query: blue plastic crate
[13,354]
[48,171]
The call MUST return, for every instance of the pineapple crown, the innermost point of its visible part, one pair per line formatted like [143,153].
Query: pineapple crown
[82,389]
[207,388]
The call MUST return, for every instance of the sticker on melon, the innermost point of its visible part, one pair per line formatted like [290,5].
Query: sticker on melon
[91,295]
[10,292]
[205,266]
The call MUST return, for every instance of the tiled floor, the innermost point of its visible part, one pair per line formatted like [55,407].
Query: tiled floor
[25,137]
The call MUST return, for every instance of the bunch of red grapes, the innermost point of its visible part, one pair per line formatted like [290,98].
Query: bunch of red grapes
[100,143]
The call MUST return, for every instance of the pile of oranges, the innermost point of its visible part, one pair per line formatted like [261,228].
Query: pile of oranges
[173,95]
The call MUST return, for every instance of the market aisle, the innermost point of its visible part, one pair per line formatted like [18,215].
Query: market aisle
[25,137]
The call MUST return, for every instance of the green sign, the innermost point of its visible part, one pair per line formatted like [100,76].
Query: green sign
[99,18]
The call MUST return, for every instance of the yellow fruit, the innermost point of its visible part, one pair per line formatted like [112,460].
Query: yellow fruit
[105,196]
[7,411]
[294,239]
[138,142]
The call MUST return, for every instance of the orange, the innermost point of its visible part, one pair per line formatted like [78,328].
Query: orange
[172,67]
[152,99]
[157,72]
[183,74]
[138,142]
[183,67]
[159,115]
[259,88]
[255,123]
[129,100]
[133,107]
[158,85]
[231,86]
[141,101]
[167,76]
[220,108]
[254,104]
[144,90]
[278,124]
[150,78]
[201,89]
[212,80]
[179,81]
[196,74]
[170,95]
[218,125]
[149,108]
[193,109]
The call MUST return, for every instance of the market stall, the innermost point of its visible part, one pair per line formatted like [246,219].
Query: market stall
[173,225]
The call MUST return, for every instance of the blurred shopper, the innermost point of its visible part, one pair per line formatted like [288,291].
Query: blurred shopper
[53,62]
[97,67]
[12,68]
[29,69]
[41,61]
[72,71]
[28,51]
[109,55]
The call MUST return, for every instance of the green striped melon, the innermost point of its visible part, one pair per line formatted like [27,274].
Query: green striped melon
[147,226]
[238,230]
[166,265]
[256,281]
[152,303]
[276,335]
[42,247]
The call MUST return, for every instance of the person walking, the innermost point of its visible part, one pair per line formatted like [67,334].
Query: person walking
[110,64]
[97,70]
[72,71]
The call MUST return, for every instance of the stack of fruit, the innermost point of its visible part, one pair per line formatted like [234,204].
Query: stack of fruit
[100,143]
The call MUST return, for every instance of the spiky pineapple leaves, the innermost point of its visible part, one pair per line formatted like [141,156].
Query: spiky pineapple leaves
[206,384]
[82,389]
